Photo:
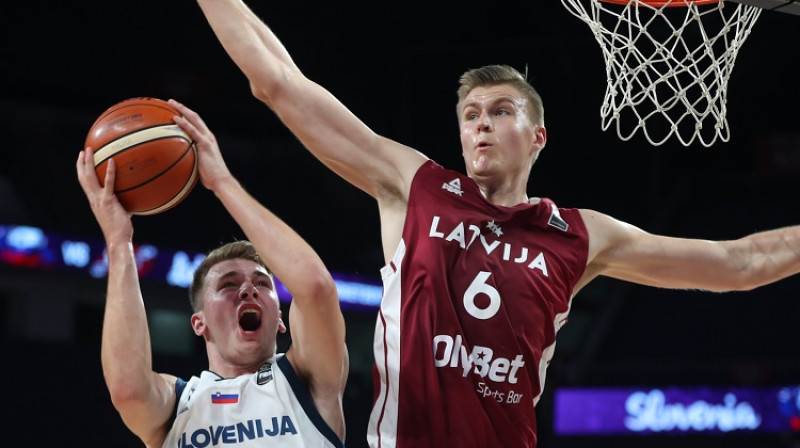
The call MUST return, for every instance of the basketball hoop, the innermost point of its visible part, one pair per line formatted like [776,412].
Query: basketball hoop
[668,63]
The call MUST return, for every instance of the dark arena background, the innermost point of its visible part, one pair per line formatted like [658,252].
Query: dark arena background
[634,366]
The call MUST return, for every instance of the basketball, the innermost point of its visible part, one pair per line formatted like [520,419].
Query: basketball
[156,160]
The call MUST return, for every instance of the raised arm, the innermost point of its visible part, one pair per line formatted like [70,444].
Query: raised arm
[318,350]
[143,398]
[381,167]
[626,252]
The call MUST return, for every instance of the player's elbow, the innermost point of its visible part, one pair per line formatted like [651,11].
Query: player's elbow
[316,284]
[261,92]
[269,88]
[320,283]
[123,395]
[124,391]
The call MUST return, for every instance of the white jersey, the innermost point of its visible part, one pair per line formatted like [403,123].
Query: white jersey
[268,408]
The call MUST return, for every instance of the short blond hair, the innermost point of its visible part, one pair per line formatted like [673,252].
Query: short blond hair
[492,75]
[233,250]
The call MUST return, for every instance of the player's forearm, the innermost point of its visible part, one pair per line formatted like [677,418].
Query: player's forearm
[249,42]
[125,351]
[290,257]
[768,256]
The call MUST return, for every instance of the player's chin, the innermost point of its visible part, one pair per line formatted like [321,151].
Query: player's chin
[483,167]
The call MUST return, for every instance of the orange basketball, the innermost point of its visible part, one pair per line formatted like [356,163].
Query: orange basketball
[156,160]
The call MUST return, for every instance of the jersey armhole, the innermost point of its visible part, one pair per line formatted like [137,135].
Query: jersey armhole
[304,398]
[180,385]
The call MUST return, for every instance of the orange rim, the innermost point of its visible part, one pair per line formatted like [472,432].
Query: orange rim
[667,3]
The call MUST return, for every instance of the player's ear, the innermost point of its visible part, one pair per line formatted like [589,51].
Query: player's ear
[540,137]
[281,325]
[198,323]
[539,140]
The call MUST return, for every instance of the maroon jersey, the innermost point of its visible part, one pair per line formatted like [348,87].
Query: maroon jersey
[473,298]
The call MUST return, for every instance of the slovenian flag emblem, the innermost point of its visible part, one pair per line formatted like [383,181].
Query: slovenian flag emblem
[219,398]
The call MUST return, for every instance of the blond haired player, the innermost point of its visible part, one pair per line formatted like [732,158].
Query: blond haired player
[250,395]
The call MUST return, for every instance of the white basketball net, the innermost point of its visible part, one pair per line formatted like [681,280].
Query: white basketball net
[667,67]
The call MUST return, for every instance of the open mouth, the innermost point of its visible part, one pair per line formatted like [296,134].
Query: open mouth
[249,318]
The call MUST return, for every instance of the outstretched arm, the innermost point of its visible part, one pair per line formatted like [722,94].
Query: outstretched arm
[381,167]
[144,399]
[318,351]
[626,252]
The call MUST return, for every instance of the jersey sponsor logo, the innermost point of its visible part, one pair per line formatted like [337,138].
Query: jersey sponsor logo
[454,186]
[237,433]
[466,235]
[501,396]
[449,351]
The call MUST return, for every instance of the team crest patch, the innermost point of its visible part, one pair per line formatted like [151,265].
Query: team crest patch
[494,227]
[264,374]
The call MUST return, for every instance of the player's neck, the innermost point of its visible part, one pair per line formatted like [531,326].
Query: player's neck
[506,195]
[230,369]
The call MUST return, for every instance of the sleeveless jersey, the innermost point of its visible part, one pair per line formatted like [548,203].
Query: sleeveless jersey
[473,298]
[268,408]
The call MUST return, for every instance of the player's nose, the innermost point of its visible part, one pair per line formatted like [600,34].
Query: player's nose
[484,122]
[248,290]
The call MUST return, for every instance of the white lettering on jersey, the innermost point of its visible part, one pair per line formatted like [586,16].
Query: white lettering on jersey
[459,235]
[450,352]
